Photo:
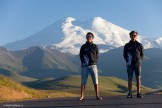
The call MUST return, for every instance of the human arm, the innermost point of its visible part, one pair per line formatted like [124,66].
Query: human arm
[142,52]
[125,53]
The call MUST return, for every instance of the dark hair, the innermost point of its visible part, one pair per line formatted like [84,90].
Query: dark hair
[132,32]
[89,33]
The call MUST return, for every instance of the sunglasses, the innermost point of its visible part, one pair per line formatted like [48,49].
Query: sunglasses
[134,35]
[89,36]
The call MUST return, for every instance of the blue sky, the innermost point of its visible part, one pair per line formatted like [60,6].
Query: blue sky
[22,18]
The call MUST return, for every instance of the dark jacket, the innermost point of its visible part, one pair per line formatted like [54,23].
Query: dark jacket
[89,54]
[133,53]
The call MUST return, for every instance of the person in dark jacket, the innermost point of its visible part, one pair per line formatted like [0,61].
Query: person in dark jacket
[89,55]
[133,54]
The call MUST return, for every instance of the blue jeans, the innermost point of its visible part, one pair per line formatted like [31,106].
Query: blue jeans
[93,72]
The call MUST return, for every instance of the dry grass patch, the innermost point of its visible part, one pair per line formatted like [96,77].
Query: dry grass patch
[12,90]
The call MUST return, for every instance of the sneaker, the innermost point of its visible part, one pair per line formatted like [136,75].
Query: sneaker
[139,95]
[129,95]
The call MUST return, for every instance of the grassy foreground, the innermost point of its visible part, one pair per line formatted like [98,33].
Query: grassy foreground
[63,87]
[71,84]
[11,90]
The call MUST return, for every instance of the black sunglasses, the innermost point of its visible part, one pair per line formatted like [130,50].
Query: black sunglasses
[89,36]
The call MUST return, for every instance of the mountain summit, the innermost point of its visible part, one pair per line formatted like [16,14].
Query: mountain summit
[68,34]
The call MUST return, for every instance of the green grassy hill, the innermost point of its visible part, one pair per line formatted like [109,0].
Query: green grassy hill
[71,84]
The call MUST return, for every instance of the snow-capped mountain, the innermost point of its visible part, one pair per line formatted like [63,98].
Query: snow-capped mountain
[107,35]
[158,42]
[68,34]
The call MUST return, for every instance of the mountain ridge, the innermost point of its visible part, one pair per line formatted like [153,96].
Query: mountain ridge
[40,62]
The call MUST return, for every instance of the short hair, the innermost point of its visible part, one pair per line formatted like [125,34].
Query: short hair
[132,32]
[89,33]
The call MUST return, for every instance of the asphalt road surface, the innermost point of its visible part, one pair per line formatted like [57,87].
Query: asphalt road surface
[149,101]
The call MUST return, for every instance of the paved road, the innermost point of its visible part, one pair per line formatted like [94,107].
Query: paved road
[149,101]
